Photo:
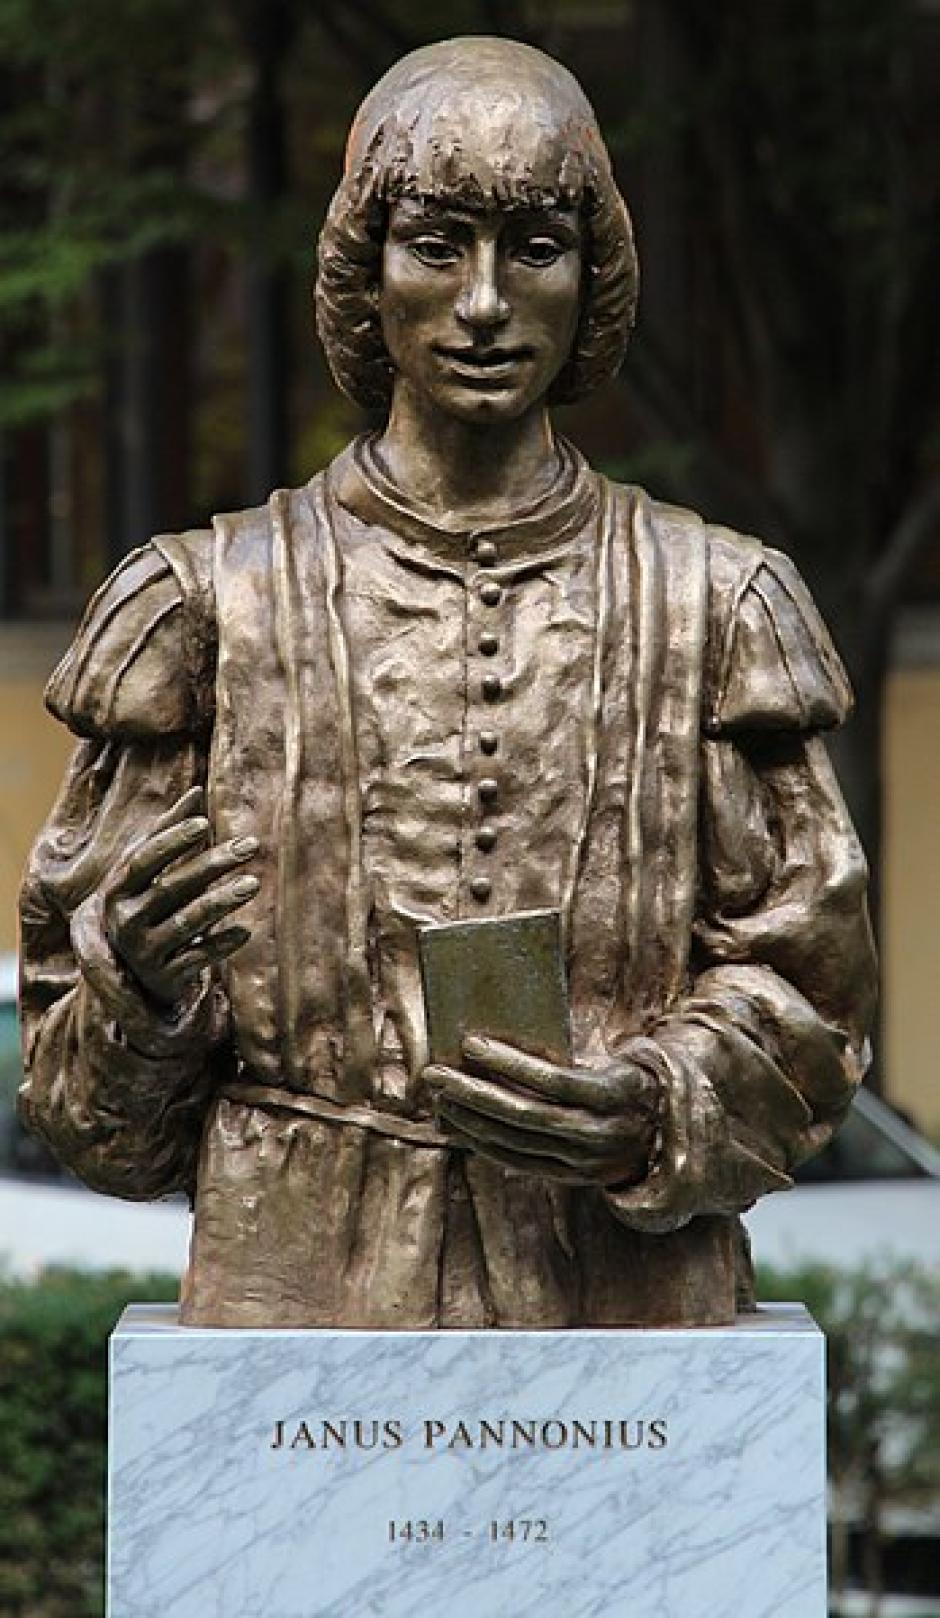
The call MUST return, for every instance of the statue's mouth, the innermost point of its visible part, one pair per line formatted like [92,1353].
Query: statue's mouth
[484,364]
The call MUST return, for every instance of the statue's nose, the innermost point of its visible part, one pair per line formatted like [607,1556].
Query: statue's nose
[481,302]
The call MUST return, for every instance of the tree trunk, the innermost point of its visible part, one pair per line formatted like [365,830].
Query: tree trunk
[657,192]
[873,1543]
[839,1557]
[149,408]
[146,308]
[268,30]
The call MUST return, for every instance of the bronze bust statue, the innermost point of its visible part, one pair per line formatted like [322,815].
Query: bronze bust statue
[458,675]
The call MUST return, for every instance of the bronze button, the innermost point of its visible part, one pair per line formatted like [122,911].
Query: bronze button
[488,789]
[489,742]
[486,839]
[481,887]
[485,552]
[490,593]
[492,687]
[489,645]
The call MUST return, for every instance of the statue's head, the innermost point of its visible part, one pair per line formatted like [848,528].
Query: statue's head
[497,135]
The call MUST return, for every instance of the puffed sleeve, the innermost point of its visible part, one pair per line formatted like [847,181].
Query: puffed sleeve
[116,1087]
[760,1058]
[770,663]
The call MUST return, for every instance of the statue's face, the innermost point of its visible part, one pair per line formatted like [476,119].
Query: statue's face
[479,309]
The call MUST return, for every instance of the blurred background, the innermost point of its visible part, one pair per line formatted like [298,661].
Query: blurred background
[164,167]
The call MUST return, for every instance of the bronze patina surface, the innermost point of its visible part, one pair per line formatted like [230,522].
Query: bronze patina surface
[458,675]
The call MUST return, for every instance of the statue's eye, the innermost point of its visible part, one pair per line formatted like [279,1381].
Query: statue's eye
[434,250]
[540,251]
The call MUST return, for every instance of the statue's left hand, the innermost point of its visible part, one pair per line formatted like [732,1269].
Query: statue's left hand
[581,1126]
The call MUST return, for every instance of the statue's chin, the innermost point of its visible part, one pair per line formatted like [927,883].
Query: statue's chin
[487,407]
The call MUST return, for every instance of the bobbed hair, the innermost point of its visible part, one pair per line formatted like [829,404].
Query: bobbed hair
[475,123]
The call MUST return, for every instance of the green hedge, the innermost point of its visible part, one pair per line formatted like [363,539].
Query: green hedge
[884,1383]
[53,1421]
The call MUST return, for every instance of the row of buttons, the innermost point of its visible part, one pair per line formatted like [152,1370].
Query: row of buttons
[491,595]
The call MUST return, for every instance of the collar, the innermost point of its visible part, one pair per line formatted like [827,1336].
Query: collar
[360,483]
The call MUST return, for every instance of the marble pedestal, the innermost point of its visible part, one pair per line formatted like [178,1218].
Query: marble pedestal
[292,1474]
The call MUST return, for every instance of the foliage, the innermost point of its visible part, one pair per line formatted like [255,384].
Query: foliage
[882,1327]
[53,1412]
[99,127]
[788,331]
[812,205]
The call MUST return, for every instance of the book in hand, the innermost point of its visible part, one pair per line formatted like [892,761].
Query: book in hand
[504,977]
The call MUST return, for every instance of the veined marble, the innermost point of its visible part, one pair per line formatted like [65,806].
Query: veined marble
[678,1474]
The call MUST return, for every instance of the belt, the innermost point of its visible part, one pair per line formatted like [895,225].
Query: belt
[389,1124]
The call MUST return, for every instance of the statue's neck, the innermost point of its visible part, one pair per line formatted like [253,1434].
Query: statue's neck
[467,475]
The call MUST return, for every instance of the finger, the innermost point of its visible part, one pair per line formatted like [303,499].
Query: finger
[542,1168]
[524,1111]
[438,1075]
[192,962]
[150,856]
[175,886]
[565,1084]
[191,802]
[196,918]
[529,1143]
[191,805]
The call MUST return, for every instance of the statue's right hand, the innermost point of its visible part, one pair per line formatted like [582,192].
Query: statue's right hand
[165,897]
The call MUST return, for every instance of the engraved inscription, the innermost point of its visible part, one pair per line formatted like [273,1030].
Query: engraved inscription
[509,1433]
[498,1531]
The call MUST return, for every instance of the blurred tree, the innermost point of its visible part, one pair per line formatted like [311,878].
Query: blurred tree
[96,211]
[883,1401]
[788,352]
[268,28]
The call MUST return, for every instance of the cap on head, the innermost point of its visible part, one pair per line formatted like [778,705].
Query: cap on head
[479,122]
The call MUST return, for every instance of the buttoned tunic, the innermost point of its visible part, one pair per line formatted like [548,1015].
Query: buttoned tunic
[474,773]
[424,726]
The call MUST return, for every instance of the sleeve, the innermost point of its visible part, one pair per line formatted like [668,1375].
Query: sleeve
[116,1088]
[759,1060]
